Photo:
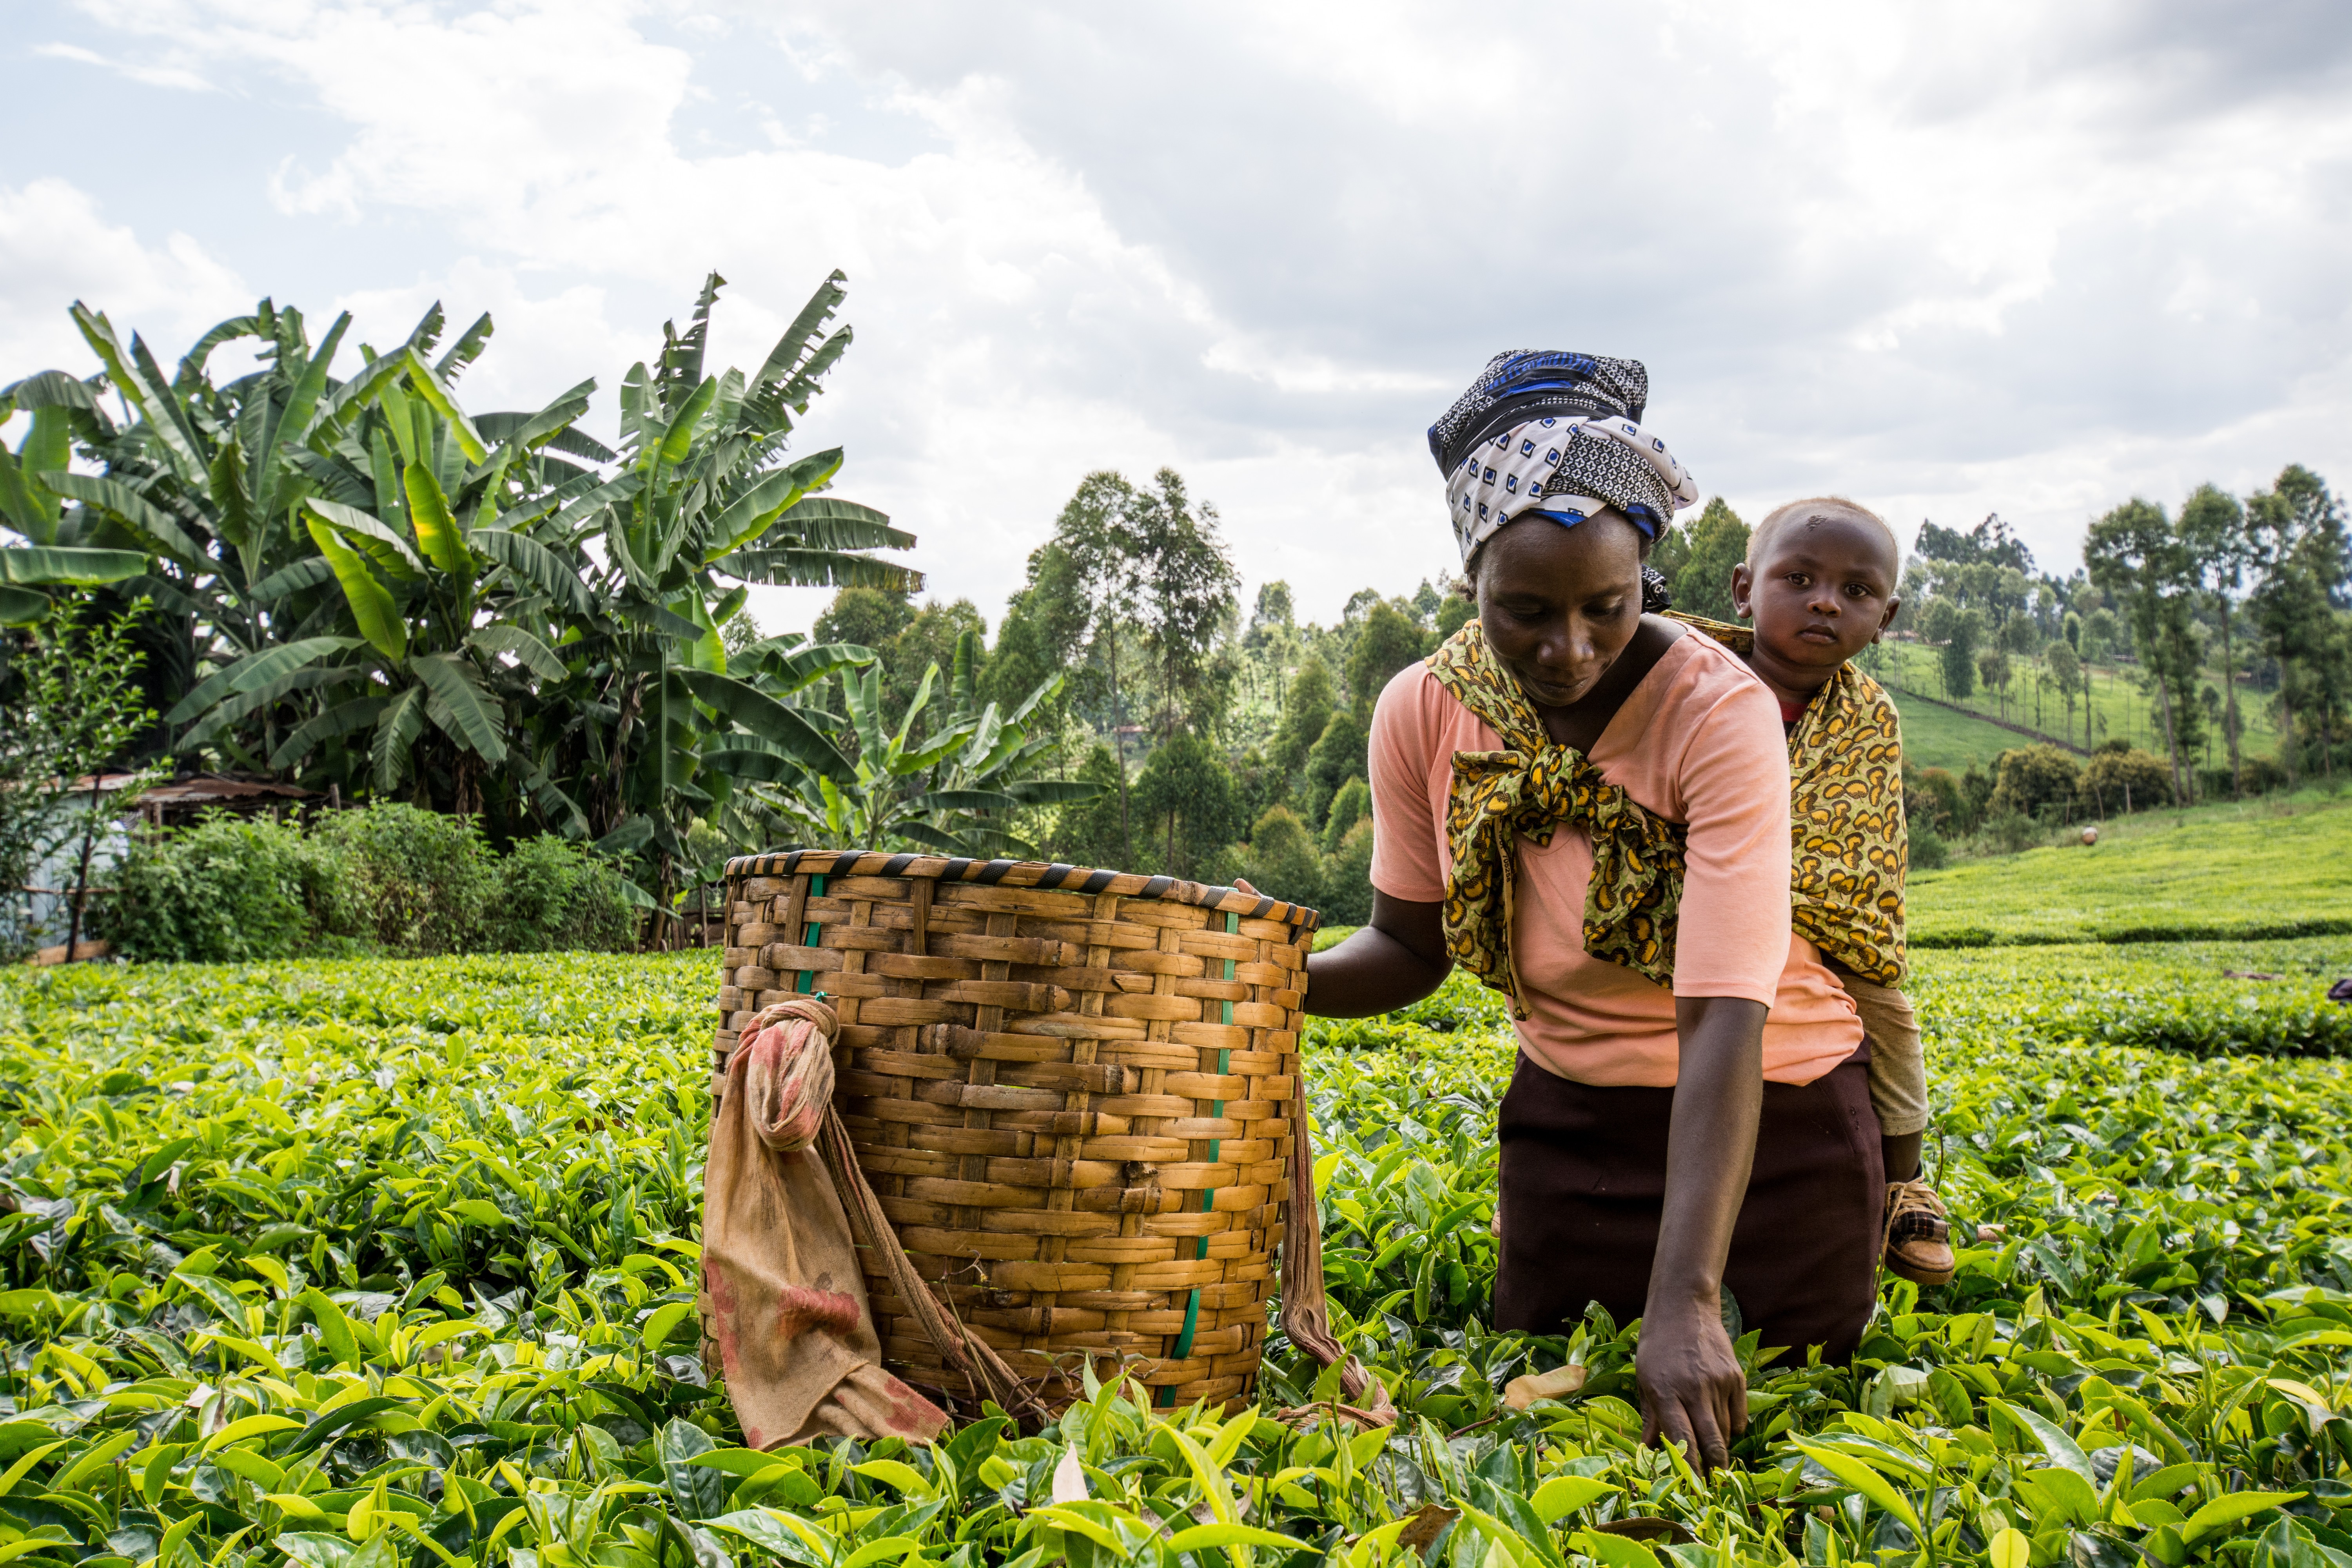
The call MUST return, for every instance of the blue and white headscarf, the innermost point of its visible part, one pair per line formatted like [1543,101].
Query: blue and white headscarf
[1558,434]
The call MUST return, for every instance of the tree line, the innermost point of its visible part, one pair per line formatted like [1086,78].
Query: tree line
[326,570]
[330,571]
[1219,745]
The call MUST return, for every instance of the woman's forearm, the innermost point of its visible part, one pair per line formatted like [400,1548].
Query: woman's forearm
[1393,962]
[1710,1143]
[1693,1391]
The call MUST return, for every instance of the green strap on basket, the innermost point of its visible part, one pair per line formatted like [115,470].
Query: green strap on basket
[806,983]
[1208,1194]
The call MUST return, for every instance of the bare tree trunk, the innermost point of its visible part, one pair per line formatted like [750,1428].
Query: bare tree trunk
[2287,726]
[2229,705]
[2172,746]
[1126,831]
[82,875]
[2165,711]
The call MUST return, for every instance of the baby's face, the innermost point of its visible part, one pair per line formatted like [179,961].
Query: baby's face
[1821,593]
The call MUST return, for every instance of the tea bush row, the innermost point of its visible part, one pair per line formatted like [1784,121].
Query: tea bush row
[374,1265]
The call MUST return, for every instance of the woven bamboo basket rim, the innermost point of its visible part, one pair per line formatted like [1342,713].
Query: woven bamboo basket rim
[1041,874]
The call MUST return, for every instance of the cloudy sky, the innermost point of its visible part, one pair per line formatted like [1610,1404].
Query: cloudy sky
[1949,259]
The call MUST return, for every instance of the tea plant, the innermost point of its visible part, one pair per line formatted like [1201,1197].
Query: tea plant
[391,1265]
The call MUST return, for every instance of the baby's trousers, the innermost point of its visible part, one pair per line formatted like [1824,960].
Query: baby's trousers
[1898,1066]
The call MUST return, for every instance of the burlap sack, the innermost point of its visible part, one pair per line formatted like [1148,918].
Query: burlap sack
[784,1310]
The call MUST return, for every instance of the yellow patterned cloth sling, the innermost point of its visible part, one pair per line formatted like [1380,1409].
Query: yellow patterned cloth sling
[1530,788]
[1850,845]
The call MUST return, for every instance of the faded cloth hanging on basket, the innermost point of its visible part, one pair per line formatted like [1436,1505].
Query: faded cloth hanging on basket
[783,1302]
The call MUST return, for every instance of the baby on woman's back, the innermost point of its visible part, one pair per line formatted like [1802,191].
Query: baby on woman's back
[1818,586]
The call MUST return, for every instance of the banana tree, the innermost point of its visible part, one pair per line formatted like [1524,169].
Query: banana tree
[713,507]
[440,545]
[954,789]
[209,479]
[56,554]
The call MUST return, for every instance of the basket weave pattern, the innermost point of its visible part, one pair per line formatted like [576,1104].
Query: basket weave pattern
[1069,1089]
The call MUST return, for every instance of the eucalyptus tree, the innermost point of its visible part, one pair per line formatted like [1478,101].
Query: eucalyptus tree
[2297,544]
[2214,530]
[2135,555]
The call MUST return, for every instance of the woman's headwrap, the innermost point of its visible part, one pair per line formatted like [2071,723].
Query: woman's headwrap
[1558,434]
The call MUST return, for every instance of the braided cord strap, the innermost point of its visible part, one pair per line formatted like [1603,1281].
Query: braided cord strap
[984,1369]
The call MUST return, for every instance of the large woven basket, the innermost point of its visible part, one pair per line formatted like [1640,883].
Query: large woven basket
[1070,1090]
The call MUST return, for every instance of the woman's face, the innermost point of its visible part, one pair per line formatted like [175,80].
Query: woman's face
[1558,604]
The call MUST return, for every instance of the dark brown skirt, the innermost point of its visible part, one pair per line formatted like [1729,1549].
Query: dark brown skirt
[1584,1176]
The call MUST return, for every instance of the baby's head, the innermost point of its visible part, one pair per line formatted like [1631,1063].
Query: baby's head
[1819,582]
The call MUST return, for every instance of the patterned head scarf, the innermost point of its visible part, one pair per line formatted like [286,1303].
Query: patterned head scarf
[1558,434]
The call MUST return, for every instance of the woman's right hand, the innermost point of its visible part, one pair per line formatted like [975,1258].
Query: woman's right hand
[1693,1391]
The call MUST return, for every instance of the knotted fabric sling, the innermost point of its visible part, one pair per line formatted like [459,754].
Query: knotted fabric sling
[1851,845]
[1530,788]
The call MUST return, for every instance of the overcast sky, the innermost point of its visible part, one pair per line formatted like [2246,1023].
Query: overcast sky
[1949,259]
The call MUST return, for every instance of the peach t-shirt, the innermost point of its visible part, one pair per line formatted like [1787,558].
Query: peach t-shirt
[1698,741]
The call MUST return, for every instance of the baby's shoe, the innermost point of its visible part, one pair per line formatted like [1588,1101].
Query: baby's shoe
[1919,1234]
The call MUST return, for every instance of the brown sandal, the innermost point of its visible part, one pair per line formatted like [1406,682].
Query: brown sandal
[1918,1240]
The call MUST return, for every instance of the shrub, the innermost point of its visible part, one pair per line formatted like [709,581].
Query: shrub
[2121,779]
[1932,795]
[227,889]
[2032,777]
[1280,860]
[554,895]
[2009,831]
[1347,880]
[413,881]
[1354,801]
[2256,776]
[1929,850]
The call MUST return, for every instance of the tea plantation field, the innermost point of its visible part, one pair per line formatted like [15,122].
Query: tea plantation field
[389,1265]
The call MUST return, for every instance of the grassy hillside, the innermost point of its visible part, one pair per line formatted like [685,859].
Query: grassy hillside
[2278,868]
[1936,737]
[2118,707]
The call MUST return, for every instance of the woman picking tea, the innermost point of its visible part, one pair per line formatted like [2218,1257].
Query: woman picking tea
[1587,806]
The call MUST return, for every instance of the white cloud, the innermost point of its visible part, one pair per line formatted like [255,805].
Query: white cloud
[56,248]
[149,75]
[1947,258]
